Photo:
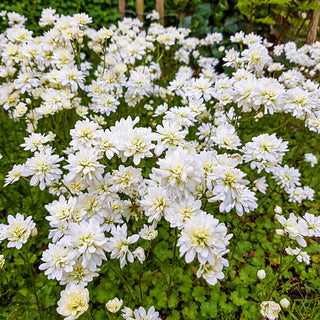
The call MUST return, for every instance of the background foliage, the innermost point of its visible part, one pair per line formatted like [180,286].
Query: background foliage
[273,19]
[248,253]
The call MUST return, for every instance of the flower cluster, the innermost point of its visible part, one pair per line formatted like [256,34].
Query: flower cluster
[145,152]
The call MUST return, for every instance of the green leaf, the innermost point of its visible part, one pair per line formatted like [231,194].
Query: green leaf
[191,311]
[238,300]
[162,252]
[209,309]
[199,294]
[175,315]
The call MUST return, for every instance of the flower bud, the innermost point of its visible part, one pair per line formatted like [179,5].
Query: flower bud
[278,209]
[34,232]
[280,232]
[261,274]
[2,261]
[284,303]
[114,305]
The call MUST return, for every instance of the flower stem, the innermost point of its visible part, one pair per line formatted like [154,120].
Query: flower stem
[32,274]
[121,276]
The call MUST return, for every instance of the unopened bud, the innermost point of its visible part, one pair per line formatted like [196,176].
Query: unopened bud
[278,209]
[261,274]
[284,303]
[34,232]
[2,261]
[280,232]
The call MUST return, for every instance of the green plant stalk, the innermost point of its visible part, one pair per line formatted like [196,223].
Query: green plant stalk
[276,276]
[89,316]
[32,274]
[174,255]
[121,276]
[140,279]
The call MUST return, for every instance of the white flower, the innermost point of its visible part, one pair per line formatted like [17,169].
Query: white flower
[71,76]
[225,136]
[85,133]
[56,260]
[14,174]
[261,184]
[154,15]
[138,144]
[126,179]
[296,227]
[155,203]
[179,212]
[203,236]
[286,177]
[139,254]
[277,209]
[170,135]
[141,314]
[119,244]
[79,275]
[313,224]
[84,165]
[309,157]
[303,256]
[256,56]
[18,231]
[43,167]
[213,273]
[127,313]
[179,172]
[74,301]
[148,232]
[88,239]
[270,309]
[34,142]
[114,305]
[265,151]
[60,210]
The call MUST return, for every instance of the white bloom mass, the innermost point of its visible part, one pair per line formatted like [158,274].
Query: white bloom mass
[203,237]
[270,309]
[43,167]
[17,231]
[74,302]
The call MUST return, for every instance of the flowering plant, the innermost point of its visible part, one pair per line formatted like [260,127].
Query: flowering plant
[146,153]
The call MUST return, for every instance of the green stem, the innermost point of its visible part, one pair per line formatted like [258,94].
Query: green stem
[140,280]
[280,265]
[32,274]
[89,316]
[121,276]
[276,276]
[174,253]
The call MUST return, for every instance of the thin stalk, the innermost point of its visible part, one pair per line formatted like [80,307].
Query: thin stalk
[174,249]
[89,316]
[121,276]
[140,278]
[32,274]
[251,16]
[276,276]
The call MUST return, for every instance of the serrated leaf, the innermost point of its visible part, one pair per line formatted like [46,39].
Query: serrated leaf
[199,294]
[209,309]
[175,315]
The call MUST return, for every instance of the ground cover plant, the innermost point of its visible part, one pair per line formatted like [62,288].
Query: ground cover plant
[144,179]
